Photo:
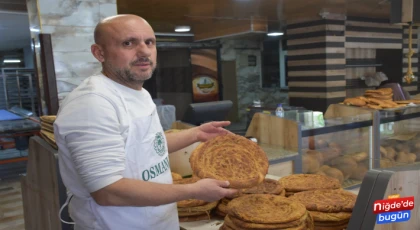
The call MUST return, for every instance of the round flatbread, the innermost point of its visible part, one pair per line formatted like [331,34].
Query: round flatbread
[194,218]
[326,200]
[190,202]
[269,186]
[266,209]
[244,225]
[330,217]
[230,158]
[306,182]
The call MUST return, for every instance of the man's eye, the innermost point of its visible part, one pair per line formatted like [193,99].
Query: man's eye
[128,43]
[150,42]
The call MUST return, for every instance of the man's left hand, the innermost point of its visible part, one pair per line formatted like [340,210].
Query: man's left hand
[211,130]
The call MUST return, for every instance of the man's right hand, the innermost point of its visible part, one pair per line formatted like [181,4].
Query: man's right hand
[211,190]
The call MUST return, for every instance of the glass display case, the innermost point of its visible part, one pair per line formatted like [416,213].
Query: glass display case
[397,133]
[337,145]
[344,143]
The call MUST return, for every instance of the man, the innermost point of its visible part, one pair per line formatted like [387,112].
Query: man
[113,153]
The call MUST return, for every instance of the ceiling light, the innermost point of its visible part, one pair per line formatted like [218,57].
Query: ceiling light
[34,30]
[275,34]
[182,29]
[11,61]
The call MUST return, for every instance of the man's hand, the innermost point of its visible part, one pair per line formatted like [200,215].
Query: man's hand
[211,190]
[211,130]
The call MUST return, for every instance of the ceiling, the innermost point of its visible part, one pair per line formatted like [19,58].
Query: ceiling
[14,25]
[164,15]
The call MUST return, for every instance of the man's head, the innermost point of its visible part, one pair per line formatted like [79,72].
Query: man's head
[126,47]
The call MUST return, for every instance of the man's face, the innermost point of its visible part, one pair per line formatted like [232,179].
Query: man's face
[130,50]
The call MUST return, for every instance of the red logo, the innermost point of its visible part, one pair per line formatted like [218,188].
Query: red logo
[393,205]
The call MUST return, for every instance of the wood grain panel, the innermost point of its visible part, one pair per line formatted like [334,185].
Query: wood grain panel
[318,95]
[317,62]
[317,73]
[317,84]
[368,45]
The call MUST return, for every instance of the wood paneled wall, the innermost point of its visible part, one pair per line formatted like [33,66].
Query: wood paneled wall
[316,63]
[358,63]
[413,87]
[372,34]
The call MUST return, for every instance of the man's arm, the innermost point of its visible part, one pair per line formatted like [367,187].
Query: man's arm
[129,192]
[182,139]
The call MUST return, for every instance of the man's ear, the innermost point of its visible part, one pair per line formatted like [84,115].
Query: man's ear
[98,52]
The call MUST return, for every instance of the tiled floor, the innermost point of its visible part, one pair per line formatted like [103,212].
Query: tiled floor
[11,207]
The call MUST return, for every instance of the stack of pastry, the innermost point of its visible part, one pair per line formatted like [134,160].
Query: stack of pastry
[305,182]
[47,130]
[269,186]
[374,99]
[263,211]
[330,209]
[192,209]
[384,94]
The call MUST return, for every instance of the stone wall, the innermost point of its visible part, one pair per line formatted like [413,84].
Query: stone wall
[71,24]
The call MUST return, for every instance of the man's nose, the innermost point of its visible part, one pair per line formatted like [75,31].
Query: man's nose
[144,50]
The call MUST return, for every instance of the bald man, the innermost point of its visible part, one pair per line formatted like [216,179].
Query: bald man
[113,153]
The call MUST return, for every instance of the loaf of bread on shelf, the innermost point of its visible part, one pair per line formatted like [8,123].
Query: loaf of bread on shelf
[318,155]
[383,151]
[402,157]
[391,153]
[310,164]
[346,164]
[387,163]
[412,157]
[360,172]
[359,156]
[315,143]
[332,172]
[329,154]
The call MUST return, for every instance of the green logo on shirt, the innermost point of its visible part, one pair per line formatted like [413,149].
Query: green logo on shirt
[159,144]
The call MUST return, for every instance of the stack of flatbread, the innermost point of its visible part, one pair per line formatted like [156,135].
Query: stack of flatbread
[263,211]
[193,209]
[375,99]
[47,130]
[380,94]
[269,186]
[330,209]
[306,182]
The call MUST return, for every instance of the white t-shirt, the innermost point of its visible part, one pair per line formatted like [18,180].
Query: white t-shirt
[91,130]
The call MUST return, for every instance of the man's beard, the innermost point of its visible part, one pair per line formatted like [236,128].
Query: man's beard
[127,76]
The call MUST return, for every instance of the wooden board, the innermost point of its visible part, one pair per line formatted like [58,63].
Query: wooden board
[274,131]
[40,190]
[337,111]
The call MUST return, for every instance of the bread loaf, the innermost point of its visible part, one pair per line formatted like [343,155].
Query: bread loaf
[360,173]
[347,165]
[334,173]
[310,164]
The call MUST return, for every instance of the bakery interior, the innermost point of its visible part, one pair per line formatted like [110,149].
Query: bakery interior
[344,71]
